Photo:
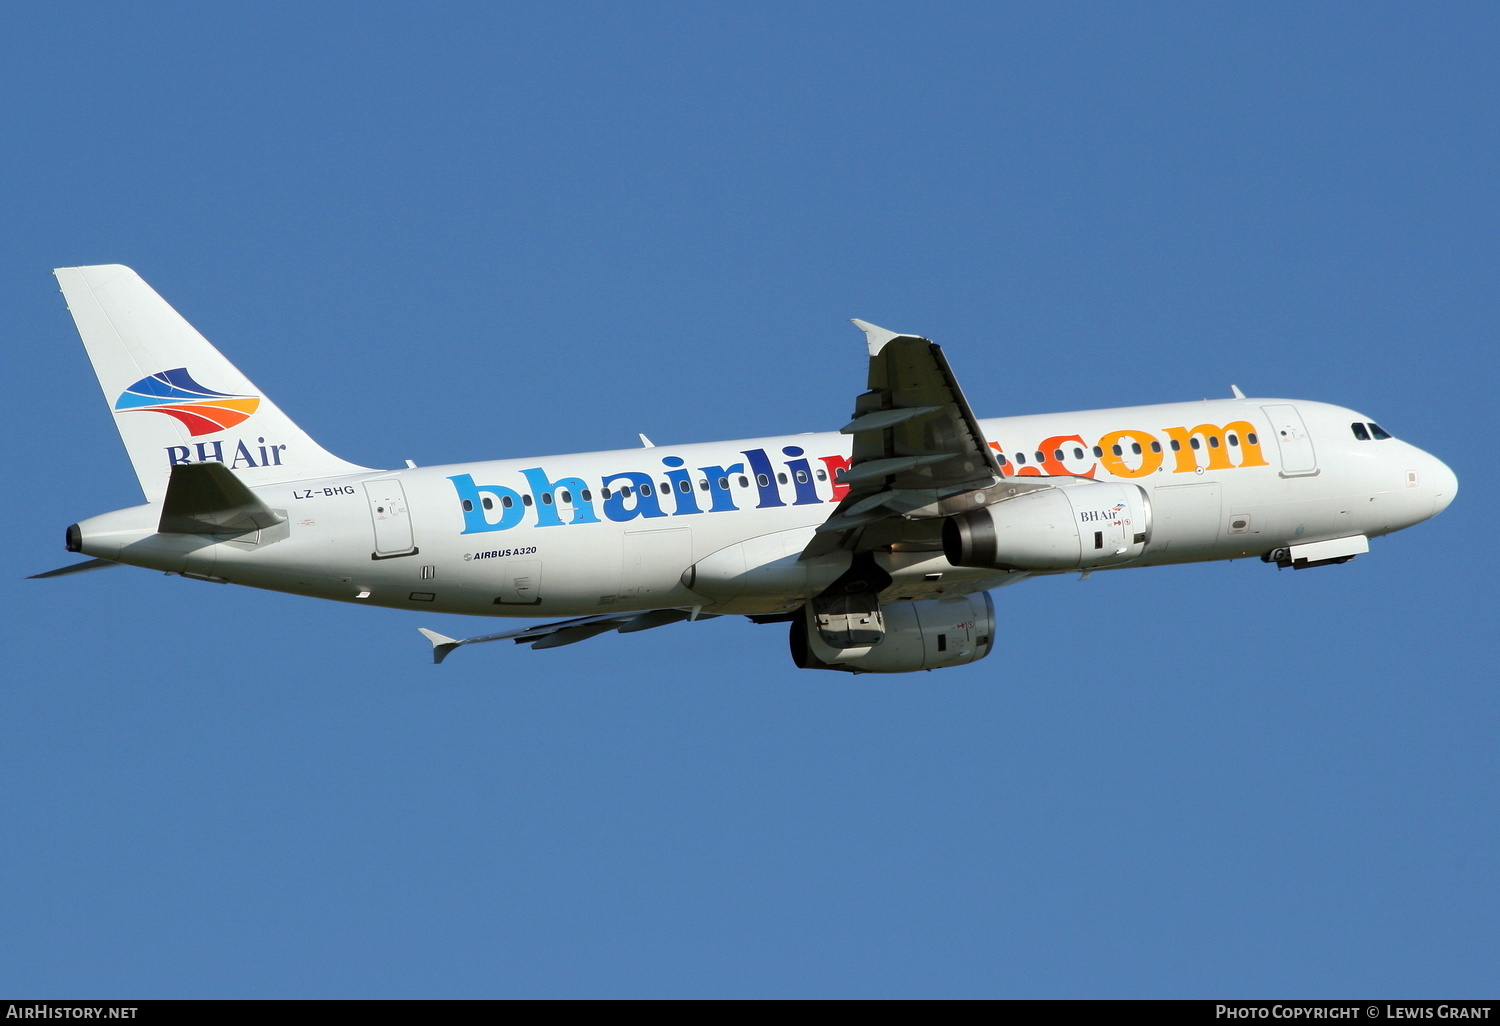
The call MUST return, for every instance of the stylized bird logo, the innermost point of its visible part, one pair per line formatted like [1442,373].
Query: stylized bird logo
[174,392]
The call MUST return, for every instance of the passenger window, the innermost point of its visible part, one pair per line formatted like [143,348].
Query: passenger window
[724,483]
[684,487]
[1156,447]
[547,498]
[468,506]
[603,493]
[487,502]
[744,481]
[703,484]
[1176,445]
[1135,447]
[802,477]
[1039,457]
[1098,452]
[1078,454]
[526,500]
[1378,431]
[781,478]
[1213,441]
[565,496]
[1057,455]
[1234,439]
[762,480]
[646,490]
[1117,450]
[625,491]
[822,475]
[1251,438]
[1020,457]
[586,496]
[507,501]
[1194,442]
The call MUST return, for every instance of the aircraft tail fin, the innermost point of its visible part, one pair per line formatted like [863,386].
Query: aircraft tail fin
[176,400]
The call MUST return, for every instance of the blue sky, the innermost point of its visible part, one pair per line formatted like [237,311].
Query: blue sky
[452,231]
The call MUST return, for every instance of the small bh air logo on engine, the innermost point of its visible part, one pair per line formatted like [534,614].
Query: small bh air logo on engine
[1091,516]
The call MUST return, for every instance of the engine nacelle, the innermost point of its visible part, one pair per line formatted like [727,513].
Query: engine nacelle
[1065,528]
[918,636]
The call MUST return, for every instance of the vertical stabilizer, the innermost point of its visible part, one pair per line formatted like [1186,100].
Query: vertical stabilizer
[174,397]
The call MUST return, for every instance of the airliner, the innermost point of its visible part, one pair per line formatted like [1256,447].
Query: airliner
[877,544]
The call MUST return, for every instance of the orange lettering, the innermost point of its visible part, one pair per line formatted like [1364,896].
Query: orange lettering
[1053,465]
[1001,458]
[1216,442]
[1116,464]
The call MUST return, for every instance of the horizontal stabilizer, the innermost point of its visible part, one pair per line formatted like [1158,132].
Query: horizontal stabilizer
[76,568]
[441,643]
[206,498]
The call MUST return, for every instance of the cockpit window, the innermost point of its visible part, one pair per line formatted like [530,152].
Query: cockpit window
[1378,431]
[1359,431]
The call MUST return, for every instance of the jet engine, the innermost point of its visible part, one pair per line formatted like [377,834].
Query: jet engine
[922,635]
[1071,527]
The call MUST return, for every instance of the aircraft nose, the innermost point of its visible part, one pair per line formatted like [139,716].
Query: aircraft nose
[1445,485]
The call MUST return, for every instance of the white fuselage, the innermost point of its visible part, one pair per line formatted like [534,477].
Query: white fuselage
[539,537]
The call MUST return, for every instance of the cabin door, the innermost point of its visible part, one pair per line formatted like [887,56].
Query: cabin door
[1297,456]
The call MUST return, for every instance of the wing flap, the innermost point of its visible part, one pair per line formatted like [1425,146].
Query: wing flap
[567,632]
[916,442]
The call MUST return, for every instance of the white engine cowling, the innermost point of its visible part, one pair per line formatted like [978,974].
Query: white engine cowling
[918,636]
[1066,528]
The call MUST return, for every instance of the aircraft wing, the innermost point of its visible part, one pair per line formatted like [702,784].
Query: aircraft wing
[567,632]
[916,444]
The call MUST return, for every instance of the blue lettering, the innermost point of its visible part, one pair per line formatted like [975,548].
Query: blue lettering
[178,454]
[682,489]
[242,453]
[546,512]
[471,498]
[644,506]
[807,492]
[722,500]
[765,478]
[204,457]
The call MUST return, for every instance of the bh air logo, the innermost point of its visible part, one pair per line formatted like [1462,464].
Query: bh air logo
[203,411]
[1090,516]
